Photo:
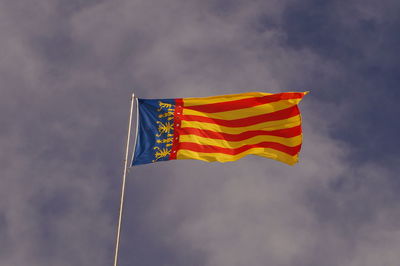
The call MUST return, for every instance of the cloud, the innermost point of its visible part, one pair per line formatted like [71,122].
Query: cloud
[67,71]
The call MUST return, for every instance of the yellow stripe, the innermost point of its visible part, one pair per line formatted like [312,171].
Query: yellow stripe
[225,98]
[246,112]
[271,125]
[220,157]
[291,142]
[221,98]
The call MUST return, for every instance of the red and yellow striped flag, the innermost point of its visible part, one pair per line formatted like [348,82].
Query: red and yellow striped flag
[221,128]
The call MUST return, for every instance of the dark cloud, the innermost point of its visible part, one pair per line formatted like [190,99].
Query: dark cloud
[361,38]
[67,70]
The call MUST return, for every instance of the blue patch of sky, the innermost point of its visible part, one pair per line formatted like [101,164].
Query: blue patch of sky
[367,52]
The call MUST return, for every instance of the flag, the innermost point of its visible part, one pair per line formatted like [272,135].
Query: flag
[219,128]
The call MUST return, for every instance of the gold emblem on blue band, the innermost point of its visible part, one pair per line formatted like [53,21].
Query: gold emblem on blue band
[165,127]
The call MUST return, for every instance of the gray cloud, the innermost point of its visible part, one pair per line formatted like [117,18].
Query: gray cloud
[67,69]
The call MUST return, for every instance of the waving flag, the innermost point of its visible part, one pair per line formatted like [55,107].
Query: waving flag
[219,128]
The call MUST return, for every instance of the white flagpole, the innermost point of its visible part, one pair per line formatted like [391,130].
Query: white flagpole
[123,183]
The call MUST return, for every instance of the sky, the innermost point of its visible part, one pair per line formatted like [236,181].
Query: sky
[69,67]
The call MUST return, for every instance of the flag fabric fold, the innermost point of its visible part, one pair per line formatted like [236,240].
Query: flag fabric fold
[220,128]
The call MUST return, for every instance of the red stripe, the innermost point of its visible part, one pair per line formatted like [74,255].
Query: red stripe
[247,121]
[214,149]
[285,133]
[245,103]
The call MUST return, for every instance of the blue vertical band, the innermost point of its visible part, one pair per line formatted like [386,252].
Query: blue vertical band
[155,130]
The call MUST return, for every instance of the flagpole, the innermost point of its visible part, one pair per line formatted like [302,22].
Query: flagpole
[123,183]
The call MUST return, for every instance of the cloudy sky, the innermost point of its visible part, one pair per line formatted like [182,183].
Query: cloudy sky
[68,67]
